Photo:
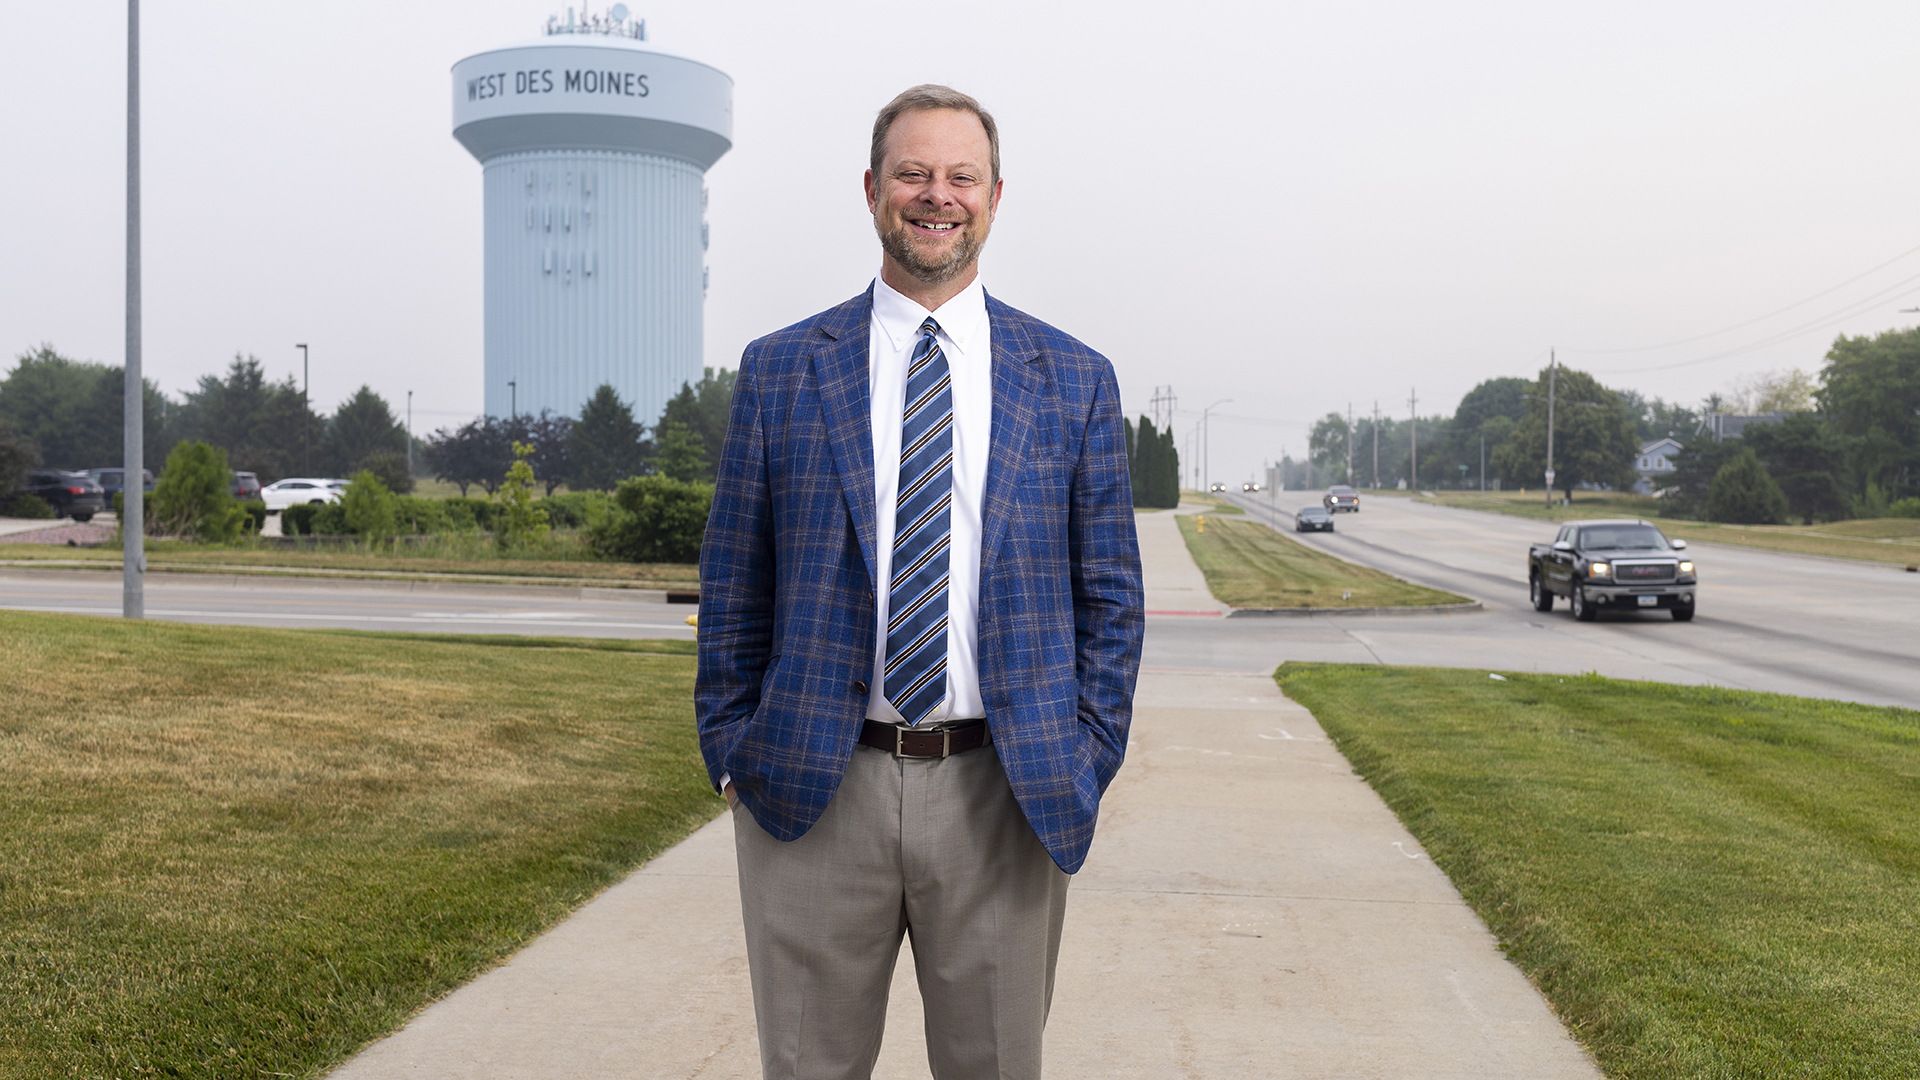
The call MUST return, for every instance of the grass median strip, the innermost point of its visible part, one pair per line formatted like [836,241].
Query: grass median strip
[241,852]
[1888,540]
[1704,882]
[181,556]
[1248,565]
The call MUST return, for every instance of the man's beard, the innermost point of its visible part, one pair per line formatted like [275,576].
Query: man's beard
[897,242]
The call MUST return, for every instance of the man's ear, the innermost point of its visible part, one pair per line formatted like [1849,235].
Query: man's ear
[993,206]
[866,181]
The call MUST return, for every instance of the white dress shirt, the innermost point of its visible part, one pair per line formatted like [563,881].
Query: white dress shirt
[966,338]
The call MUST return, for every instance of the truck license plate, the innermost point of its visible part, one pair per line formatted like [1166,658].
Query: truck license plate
[1649,601]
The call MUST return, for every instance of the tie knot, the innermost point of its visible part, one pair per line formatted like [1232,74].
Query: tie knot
[929,328]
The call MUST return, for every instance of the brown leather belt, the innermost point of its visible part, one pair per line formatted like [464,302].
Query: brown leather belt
[930,743]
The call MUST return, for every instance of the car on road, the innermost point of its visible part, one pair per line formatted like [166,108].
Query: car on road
[243,485]
[296,490]
[1341,497]
[1249,486]
[111,480]
[71,494]
[1313,519]
[1217,487]
[1617,565]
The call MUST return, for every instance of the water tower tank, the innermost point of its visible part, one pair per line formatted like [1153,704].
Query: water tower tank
[594,148]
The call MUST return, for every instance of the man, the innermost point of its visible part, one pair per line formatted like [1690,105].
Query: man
[920,624]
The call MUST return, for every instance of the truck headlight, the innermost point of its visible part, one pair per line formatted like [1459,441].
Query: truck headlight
[1599,569]
[1686,568]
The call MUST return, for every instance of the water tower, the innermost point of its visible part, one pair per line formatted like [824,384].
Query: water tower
[594,147]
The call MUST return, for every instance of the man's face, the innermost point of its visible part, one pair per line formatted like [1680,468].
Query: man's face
[934,198]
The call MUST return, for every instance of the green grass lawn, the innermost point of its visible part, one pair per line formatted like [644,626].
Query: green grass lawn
[1247,564]
[1891,540]
[188,557]
[1705,883]
[240,852]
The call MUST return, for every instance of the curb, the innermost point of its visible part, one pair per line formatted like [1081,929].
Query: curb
[1320,612]
[298,580]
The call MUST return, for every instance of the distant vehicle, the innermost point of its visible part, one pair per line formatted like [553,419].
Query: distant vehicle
[297,490]
[1619,565]
[1341,497]
[243,485]
[110,480]
[1249,486]
[1313,519]
[1218,487]
[71,494]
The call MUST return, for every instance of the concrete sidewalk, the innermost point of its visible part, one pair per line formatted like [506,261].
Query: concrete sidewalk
[1250,909]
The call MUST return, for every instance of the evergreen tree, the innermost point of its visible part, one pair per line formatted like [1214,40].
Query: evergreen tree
[702,410]
[364,425]
[679,456]
[1743,494]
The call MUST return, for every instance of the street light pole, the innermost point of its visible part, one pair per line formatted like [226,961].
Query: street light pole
[133,487]
[306,416]
[1206,454]
[1553,383]
[409,436]
[514,409]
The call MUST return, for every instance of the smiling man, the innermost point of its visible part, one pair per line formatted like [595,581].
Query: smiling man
[920,625]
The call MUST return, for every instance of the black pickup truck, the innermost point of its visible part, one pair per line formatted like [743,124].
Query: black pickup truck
[1612,565]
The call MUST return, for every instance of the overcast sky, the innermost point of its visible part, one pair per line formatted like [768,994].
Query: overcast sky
[1295,206]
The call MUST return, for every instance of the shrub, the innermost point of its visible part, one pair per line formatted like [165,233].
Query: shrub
[22,504]
[191,500]
[297,520]
[656,519]
[1742,493]
[367,507]
[576,509]
[330,520]
[464,513]
[520,522]
[1908,507]
[256,511]
[415,516]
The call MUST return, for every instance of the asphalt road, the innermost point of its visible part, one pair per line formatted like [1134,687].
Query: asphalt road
[364,605]
[1767,621]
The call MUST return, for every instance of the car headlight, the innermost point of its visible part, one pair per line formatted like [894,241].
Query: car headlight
[1599,569]
[1686,568]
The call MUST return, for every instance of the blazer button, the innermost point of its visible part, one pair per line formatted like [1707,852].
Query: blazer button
[859,687]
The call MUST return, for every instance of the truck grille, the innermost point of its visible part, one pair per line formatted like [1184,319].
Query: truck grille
[1645,573]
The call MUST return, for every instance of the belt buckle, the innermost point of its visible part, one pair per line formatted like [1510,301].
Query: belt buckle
[900,742]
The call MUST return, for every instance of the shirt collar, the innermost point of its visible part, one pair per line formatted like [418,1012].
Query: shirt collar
[963,319]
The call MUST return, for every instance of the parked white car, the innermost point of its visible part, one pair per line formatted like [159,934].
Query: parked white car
[298,489]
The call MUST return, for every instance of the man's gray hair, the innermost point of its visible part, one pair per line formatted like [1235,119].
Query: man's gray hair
[932,96]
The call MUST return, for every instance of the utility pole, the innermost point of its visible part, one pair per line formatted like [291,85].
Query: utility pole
[1376,444]
[1349,444]
[1483,463]
[1553,383]
[409,435]
[514,409]
[1206,453]
[306,417]
[1413,409]
[133,486]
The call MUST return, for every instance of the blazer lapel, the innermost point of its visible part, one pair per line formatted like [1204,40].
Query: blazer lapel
[1017,389]
[840,371]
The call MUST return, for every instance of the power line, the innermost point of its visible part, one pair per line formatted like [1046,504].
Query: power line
[1760,318]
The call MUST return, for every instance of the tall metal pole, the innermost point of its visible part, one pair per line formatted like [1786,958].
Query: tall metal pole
[409,435]
[1376,444]
[1413,409]
[1349,444]
[1553,383]
[515,407]
[133,487]
[1483,463]
[1206,440]
[306,417]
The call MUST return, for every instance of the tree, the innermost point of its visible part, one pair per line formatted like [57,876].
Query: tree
[605,446]
[477,452]
[1593,436]
[679,455]
[1743,494]
[1772,391]
[703,410]
[1805,459]
[368,507]
[1870,397]
[390,469]
[71,411]
[1153,466]
[265,427]
[1327,445]
[1699,459]
[192,498]
[549,435]
[17,456]
[519,522]
[364,425]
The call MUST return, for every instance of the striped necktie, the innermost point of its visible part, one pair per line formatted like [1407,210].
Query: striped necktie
[916,666]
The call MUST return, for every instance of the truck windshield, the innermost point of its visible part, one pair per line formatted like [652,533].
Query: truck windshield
[1623,538]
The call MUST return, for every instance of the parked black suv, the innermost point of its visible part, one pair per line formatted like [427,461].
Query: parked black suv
[73,495]
[244,485]
[111,480]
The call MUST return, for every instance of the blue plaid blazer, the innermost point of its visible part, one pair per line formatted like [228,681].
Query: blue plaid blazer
[787,615]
